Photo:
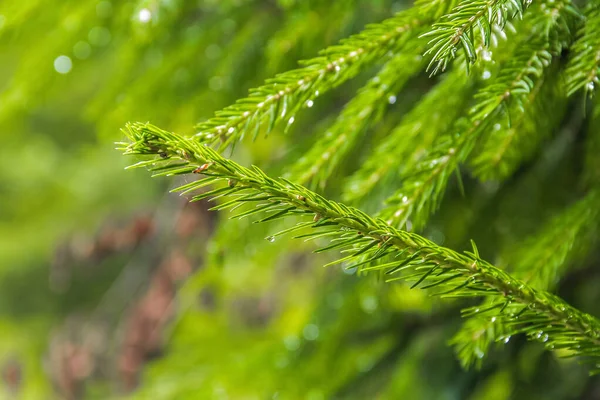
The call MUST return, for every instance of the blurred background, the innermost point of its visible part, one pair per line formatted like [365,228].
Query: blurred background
[112,288]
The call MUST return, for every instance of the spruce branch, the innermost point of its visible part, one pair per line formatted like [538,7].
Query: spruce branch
[411,138]
[283,95]
[583,68]
[509,144]
[533,116]
[364,110]
[366,242]
[541,261]
[457,29]
[425,183]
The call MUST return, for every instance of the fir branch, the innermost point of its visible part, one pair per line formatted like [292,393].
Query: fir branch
[411,138]
[583,68]
[425,183]
[477,334]
[282,96]
[369,243]
[457,29]
[540,262]
[509,144]
[532,118]
[364,110]
[516,79]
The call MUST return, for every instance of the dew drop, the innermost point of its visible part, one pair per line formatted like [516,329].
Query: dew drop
[369,304]
[82,50]
[216,83]
[99,36]
[589,86]
[486,55]
[486,74]
[144,15]
[212,51]
[349,271]
[291,120]
[310,103]
[480,354]
[63,64]
[310,332]
[392,99]
[270,239]
[506,339]
[292,343]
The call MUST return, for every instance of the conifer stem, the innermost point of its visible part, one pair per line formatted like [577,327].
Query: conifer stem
[201,159]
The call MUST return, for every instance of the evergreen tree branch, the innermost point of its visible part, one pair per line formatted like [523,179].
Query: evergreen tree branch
[583,68]
[368,243]
[457,28]
[364,110]
[540,262]
[410,139]
[282,96]
[508,145]
[425,183]
[531,118]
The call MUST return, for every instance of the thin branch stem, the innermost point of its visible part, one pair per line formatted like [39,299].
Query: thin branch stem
[367,236]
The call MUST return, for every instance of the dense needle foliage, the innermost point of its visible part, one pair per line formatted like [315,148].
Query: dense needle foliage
[439,158]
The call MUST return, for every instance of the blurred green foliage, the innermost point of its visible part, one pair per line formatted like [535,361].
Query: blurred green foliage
[255,320]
